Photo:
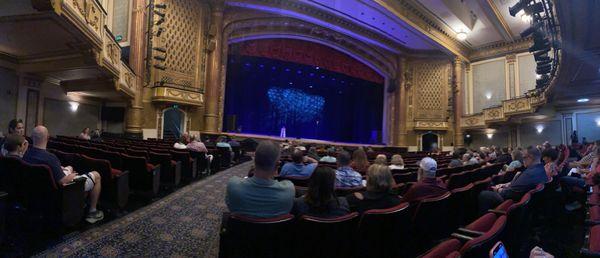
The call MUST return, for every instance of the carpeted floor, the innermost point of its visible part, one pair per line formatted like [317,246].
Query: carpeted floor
[183,224]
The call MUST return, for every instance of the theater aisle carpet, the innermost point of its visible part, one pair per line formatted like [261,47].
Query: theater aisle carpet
[183,224]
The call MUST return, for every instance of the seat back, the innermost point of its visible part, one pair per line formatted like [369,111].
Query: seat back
[187,169]
[225,155]
[427,222]
[517,224]
[458,180]
[331,237]
[343,191]
[65,158]
[479,186]
[405,177]
[385,232]
[115,159]
[12,178]
[296,180]
[243,236]
[463,205]
[137,153]
[481,245]
[444,249]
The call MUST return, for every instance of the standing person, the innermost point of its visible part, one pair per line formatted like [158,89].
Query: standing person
[320,199]
[64,175]
[574,138]
[85,134]
[261,195]
[282,132]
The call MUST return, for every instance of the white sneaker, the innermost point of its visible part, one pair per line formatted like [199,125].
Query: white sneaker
[573,206]
[94,217]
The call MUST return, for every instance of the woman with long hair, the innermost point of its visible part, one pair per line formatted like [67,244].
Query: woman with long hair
[320,199]
[360,163]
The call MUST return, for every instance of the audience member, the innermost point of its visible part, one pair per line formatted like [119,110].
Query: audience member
[377,195]
[345,176]
[15,146]
[455,162]
[85,134]
[517,161]
[312,152]
[381,159]
[428,185]
[397,162]
[320,199]
[469,159]
[580,177]
[360,163]
[330,157]
[64,175]
[549,156]
[196,145]
[261,196]
[504,157]
[233,143]
[181,144]
[96,135]
[521,183]
[15,126]
[297,166]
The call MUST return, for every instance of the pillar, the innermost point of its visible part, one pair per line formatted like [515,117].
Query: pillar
[213,77]
[458,102]
[402,103]
[135,109]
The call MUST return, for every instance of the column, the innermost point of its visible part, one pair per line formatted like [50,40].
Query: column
[458,102]
[135,109]
[402,103]
[213,78]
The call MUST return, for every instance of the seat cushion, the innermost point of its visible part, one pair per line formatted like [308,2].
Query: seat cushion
[149,167]
[505,205]
[115,172]
[483,223]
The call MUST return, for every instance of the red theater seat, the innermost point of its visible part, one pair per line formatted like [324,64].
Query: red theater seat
[448,248]
[189,169]
[170,170]
[463,206]
[144,177]
[385,232]
[479,246]
[243,236]
[115,183]
[331,237]
[428,225]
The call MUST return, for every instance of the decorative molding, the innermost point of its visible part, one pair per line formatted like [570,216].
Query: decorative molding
[493,114]
[171,95]
[501,49]
[431,125]
[473,121]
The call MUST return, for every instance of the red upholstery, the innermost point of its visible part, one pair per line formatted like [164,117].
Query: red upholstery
[505,205]
[173,163]
[594,199]
[483,243]
[595,213]
[444,249]
[483,224]
[150,167]
[595,239]
[115,172]
[250,219]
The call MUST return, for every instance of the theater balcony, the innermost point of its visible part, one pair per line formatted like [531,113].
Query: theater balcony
[66,43]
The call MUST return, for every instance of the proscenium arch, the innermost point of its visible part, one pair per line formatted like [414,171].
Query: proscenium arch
[386,75]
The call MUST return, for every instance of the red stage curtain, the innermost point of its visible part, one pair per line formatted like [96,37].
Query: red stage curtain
[308,53]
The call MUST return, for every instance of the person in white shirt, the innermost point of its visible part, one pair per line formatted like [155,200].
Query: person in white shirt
[397,162]
[85,134]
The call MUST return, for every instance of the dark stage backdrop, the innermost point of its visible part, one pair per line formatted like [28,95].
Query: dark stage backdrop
[263,95]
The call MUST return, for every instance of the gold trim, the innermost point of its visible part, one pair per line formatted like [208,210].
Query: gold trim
[431,125]
[500,18]
[164,94]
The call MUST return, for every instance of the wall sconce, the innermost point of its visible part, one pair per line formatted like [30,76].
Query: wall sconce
[598,122]
[539,128]
[74,106]
[490,135]
[488,95]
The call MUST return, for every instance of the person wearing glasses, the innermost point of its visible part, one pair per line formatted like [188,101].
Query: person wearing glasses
[533,175]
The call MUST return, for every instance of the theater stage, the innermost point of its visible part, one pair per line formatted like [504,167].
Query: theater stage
[258,137]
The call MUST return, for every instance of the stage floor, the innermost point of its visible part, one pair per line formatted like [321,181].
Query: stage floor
[302,140]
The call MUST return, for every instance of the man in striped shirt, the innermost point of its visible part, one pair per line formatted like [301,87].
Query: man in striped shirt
[345,176]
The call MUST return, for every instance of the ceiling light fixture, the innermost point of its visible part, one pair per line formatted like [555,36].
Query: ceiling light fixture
[583,100]
[539,128]
[490,135]
[74,106]
[461,35]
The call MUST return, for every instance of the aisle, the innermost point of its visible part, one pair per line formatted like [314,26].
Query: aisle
[183,224]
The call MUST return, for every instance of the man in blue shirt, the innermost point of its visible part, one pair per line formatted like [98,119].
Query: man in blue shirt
[64,175]
[297,167]
[261,196]
[523,182]
[345,176]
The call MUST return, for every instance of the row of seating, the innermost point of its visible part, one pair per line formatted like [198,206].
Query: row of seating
[591,246]
[401,231]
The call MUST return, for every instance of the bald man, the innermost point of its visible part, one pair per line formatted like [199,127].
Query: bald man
[37,154]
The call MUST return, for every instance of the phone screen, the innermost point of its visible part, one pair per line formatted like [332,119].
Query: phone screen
[499,251]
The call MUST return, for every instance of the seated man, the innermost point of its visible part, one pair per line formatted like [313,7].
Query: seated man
[64,175]
[345,176]
[580,177]
[297,167]
[523,182]
[261,196]
[428,185]
[330,157]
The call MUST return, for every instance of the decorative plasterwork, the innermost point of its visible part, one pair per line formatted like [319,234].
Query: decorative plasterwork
[87,15]
[493,114]
[110,56]
[279,27]
[171,95]
[473,121]
[431,125]
[406,11]
[501,49]
[127,82]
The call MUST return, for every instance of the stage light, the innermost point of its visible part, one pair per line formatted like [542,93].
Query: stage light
[159,32]
[541,58]
[540,45]
[526,17]
[74,106]
[468,136]
[160,49]
[534,8]
[489,135]
[160,21]
[539,54]
[160,58]
[513,10]
[539,128]
[310,86]
[583,100]
[461,35]
[160,6]
[160,67]
[543,70]
[538,76]
[159,13]
[598,122]
[317,68]
[531,29]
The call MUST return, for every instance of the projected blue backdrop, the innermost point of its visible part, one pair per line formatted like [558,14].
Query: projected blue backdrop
[263,95]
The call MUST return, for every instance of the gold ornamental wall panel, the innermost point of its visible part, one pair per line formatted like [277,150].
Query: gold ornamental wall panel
[431,82]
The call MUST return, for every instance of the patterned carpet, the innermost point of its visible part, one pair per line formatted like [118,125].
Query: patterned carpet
[183,224]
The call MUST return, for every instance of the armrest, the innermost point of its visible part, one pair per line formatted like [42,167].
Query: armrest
[461,237]
[123,173]
[470,232]
[73,200]
[3,195]
[587,253]
[497,211]
[589,222]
